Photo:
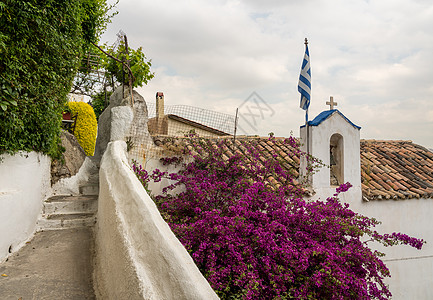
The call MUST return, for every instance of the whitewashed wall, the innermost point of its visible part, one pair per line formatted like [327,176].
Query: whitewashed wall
[137,255]
[411,269]
[24,184]
[319,141]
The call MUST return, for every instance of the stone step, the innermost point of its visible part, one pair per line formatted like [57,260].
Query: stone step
[65,211]
[65,221]
[70,204]
[89,189]
[93,178]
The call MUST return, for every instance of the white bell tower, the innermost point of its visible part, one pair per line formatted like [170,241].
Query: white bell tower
[335,140]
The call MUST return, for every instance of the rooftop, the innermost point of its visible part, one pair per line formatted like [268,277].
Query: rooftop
[325,115]
[155,127]
[396,170]
[389,169]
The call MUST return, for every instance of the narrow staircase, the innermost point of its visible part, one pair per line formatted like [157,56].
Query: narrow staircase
[71,211]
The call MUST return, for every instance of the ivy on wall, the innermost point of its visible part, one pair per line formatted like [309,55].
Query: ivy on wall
[41,44]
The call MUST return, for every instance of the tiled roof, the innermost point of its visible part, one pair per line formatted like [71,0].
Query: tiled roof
[267,148]
[282,151]
[396,170]
[389,169]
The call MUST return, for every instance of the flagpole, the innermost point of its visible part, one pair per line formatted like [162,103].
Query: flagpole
[306,113]
[304,87]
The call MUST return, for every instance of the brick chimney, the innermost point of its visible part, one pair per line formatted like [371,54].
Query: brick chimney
[160,105]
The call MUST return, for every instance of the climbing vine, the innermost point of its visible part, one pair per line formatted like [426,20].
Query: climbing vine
[41,43]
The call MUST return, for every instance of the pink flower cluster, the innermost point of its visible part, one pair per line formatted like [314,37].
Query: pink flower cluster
[253,240]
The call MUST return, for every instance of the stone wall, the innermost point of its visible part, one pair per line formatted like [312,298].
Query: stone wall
[136,134]
[71,161]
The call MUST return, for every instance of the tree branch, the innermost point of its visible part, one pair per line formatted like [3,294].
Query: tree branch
[116,59]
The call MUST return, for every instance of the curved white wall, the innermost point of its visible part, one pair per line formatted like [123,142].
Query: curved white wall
[137,255]
[24,184]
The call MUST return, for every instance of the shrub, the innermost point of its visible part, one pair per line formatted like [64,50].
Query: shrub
[254,241]
[86,127]
[41,44]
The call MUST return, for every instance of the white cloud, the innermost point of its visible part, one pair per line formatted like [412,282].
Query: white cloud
[373,56]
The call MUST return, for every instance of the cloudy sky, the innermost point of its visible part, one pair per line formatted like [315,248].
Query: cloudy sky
[375,57]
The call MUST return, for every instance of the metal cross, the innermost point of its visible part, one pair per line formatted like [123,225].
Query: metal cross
[331,103]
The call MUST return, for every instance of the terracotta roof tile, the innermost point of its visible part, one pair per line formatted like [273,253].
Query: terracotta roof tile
[375,185]
[399,195]
[406,184]
[377,170]
[384,185]
[374,177]
[382,176]
[365,187]
[407,167]
[393,185]
[380,194]
[388,177]
[394,176]
[420,176]
[417,192]
[400,186]
[389,169]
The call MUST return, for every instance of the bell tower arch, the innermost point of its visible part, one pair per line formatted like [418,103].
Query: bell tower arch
[335,140]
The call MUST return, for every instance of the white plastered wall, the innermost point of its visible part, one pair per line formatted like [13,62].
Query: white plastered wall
[411,269]
[24,184]
[137,255]
[319,141]
[156,188]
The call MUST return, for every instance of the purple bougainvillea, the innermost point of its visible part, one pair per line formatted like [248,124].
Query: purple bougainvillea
[254,240]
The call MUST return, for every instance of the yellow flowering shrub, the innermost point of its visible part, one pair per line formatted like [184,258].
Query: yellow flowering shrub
[86,127]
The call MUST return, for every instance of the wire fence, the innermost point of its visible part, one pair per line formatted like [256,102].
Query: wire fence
[178,120]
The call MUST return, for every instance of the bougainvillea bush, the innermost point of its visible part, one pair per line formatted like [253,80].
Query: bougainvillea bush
[254,240]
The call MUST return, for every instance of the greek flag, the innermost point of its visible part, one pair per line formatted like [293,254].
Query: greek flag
[304,85]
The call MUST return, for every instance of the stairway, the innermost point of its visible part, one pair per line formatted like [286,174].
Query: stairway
[71,211]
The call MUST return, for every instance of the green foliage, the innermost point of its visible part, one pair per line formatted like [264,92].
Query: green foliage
[115,73]
[99,103]
[86,127]
[95,18]
[41,43]
[139,66]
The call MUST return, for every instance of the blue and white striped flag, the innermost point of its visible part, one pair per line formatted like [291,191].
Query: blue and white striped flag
[304,85]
